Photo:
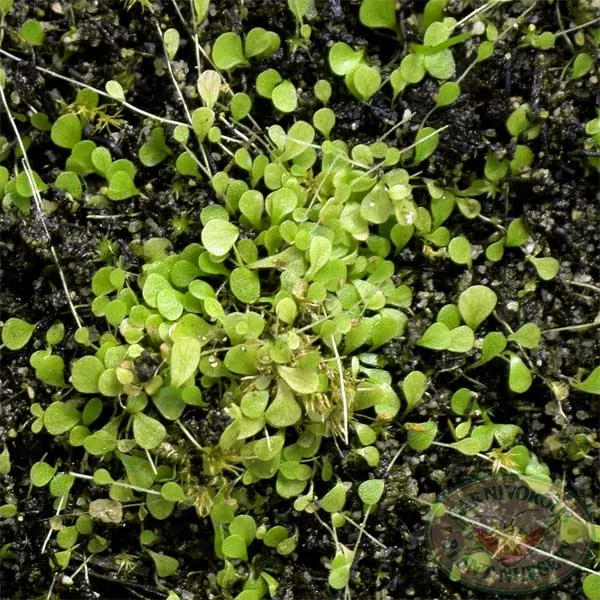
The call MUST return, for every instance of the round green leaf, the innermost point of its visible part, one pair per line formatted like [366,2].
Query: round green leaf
[219,236]
[476,304]
[519,376]
[459,250]
[547,267]
[66,131]
[436,337]
[245,285]
[234,546]
[60,417]
[284,97]
[370,491]
[33,32]
[16,333]
[148,432]
[378,13]
[165,565]
[85,374]
[227,52]
[448,93]
[41,473]
[114,90]
[121,186]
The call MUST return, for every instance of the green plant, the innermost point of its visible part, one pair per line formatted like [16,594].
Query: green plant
[291,315]
[361,79]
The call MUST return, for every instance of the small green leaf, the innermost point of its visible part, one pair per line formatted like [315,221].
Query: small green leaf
[121,186]
[378,14]
[339,577]
[440,65]
[155,150]
[494,344]
[302,381]
[463,401]
[412,69]
[240,106]
[448,93]
[260,43]
[591,587]
[333,501]
[219,236]
[323,91]
[517,121]
[32,32]
[366,81]
[436,337]
[244,526]
[528,336]
[8,511]
[234,546]
[100,442]
[254,403]
[342,58]
[171,41]
[582,65]
[172,492]
[165,565]
[66,131]
[201,8]
[148,432]
[476,304]
[245,285]
[517,233]
[591,384]
[41,473]
[284,410]
[459,250]
[426,141]
[462,339]
[114,90]
[284,97]
[184,359]
[421,435]
[203,119]
[209,87]
[519,376]
[60,417]
[413,388]
[227,52]
[16,333]
[4,461]
[469,446]
[370,491]
[544,41]
[85,374]
[547,267]
[299,8]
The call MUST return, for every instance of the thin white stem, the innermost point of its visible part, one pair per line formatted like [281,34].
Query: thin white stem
[98,91]
[582,26]
[362,529]
[588,286]
[188,435]
[507,536]
[38,204]
[118,483]
[342,389]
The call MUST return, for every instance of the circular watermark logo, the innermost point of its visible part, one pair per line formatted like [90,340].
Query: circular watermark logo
[501,536]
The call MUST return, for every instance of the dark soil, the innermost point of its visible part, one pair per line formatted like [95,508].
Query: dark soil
[560,200]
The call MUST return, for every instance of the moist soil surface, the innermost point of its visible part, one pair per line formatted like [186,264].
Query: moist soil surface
[559,197]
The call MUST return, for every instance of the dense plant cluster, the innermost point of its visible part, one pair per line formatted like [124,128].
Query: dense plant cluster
[276,322]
